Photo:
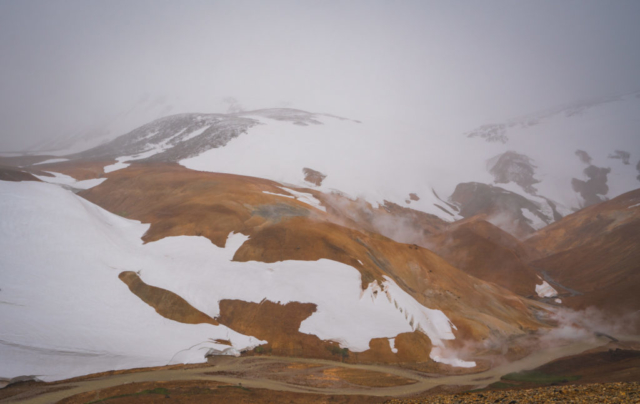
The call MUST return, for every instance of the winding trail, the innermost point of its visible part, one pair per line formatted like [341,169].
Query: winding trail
[228,366]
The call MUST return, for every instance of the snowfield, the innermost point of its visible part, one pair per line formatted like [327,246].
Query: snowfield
[63,309]
[65,312]
[360,160]
[385,160]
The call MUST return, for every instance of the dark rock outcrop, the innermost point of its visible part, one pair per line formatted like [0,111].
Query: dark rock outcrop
[583,156]
[501,207]
[621,155]
[312,176]
[511,166]
[592,189]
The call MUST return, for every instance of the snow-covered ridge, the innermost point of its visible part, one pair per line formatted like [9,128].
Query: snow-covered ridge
[499,132]
[564,145]
[389,160]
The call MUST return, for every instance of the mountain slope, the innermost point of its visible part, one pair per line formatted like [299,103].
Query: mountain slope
[103,303]
[488,253]
[552,162]
[595,254]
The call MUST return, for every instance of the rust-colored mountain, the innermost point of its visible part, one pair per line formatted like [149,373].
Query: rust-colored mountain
[177,201]
[596,253]
[487,252]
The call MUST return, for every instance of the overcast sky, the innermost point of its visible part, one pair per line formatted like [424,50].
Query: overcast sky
[66,66]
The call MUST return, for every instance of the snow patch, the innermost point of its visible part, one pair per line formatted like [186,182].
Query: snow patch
[392,344]
[51,161]
[306,198]
[536,222]
[546,290]
[119,165]
[62,179]
[273,193]
[123,162]
[195,133]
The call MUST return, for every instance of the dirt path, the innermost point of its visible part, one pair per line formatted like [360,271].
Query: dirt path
[252,372]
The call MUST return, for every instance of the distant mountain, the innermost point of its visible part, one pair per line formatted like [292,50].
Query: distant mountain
[551,164]
[293,233]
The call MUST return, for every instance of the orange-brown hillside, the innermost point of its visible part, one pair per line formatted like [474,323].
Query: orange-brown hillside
[487,252]
[596,252]
[177,201]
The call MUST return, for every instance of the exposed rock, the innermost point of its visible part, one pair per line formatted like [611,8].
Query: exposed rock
[15,174]
[414,197]
[583,156]
[638,168]
[175,137]
[596,185]
[443,209]
[491,133]
[501,207]
[450,205]
[512,166]
[313,176]
[621,155]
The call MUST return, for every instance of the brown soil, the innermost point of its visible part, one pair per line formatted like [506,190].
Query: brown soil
[276,323]
[279,324]
[612,365]
[588,393]
[286,378]
[204,392]
[606,271]
[15,174]
[21,161]
[165,302]
[177,201]
[595,253]
[487,252]
[585,225]
[338,378]
[367,378]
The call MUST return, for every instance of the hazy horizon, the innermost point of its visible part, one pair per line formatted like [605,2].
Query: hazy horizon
[69,66]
